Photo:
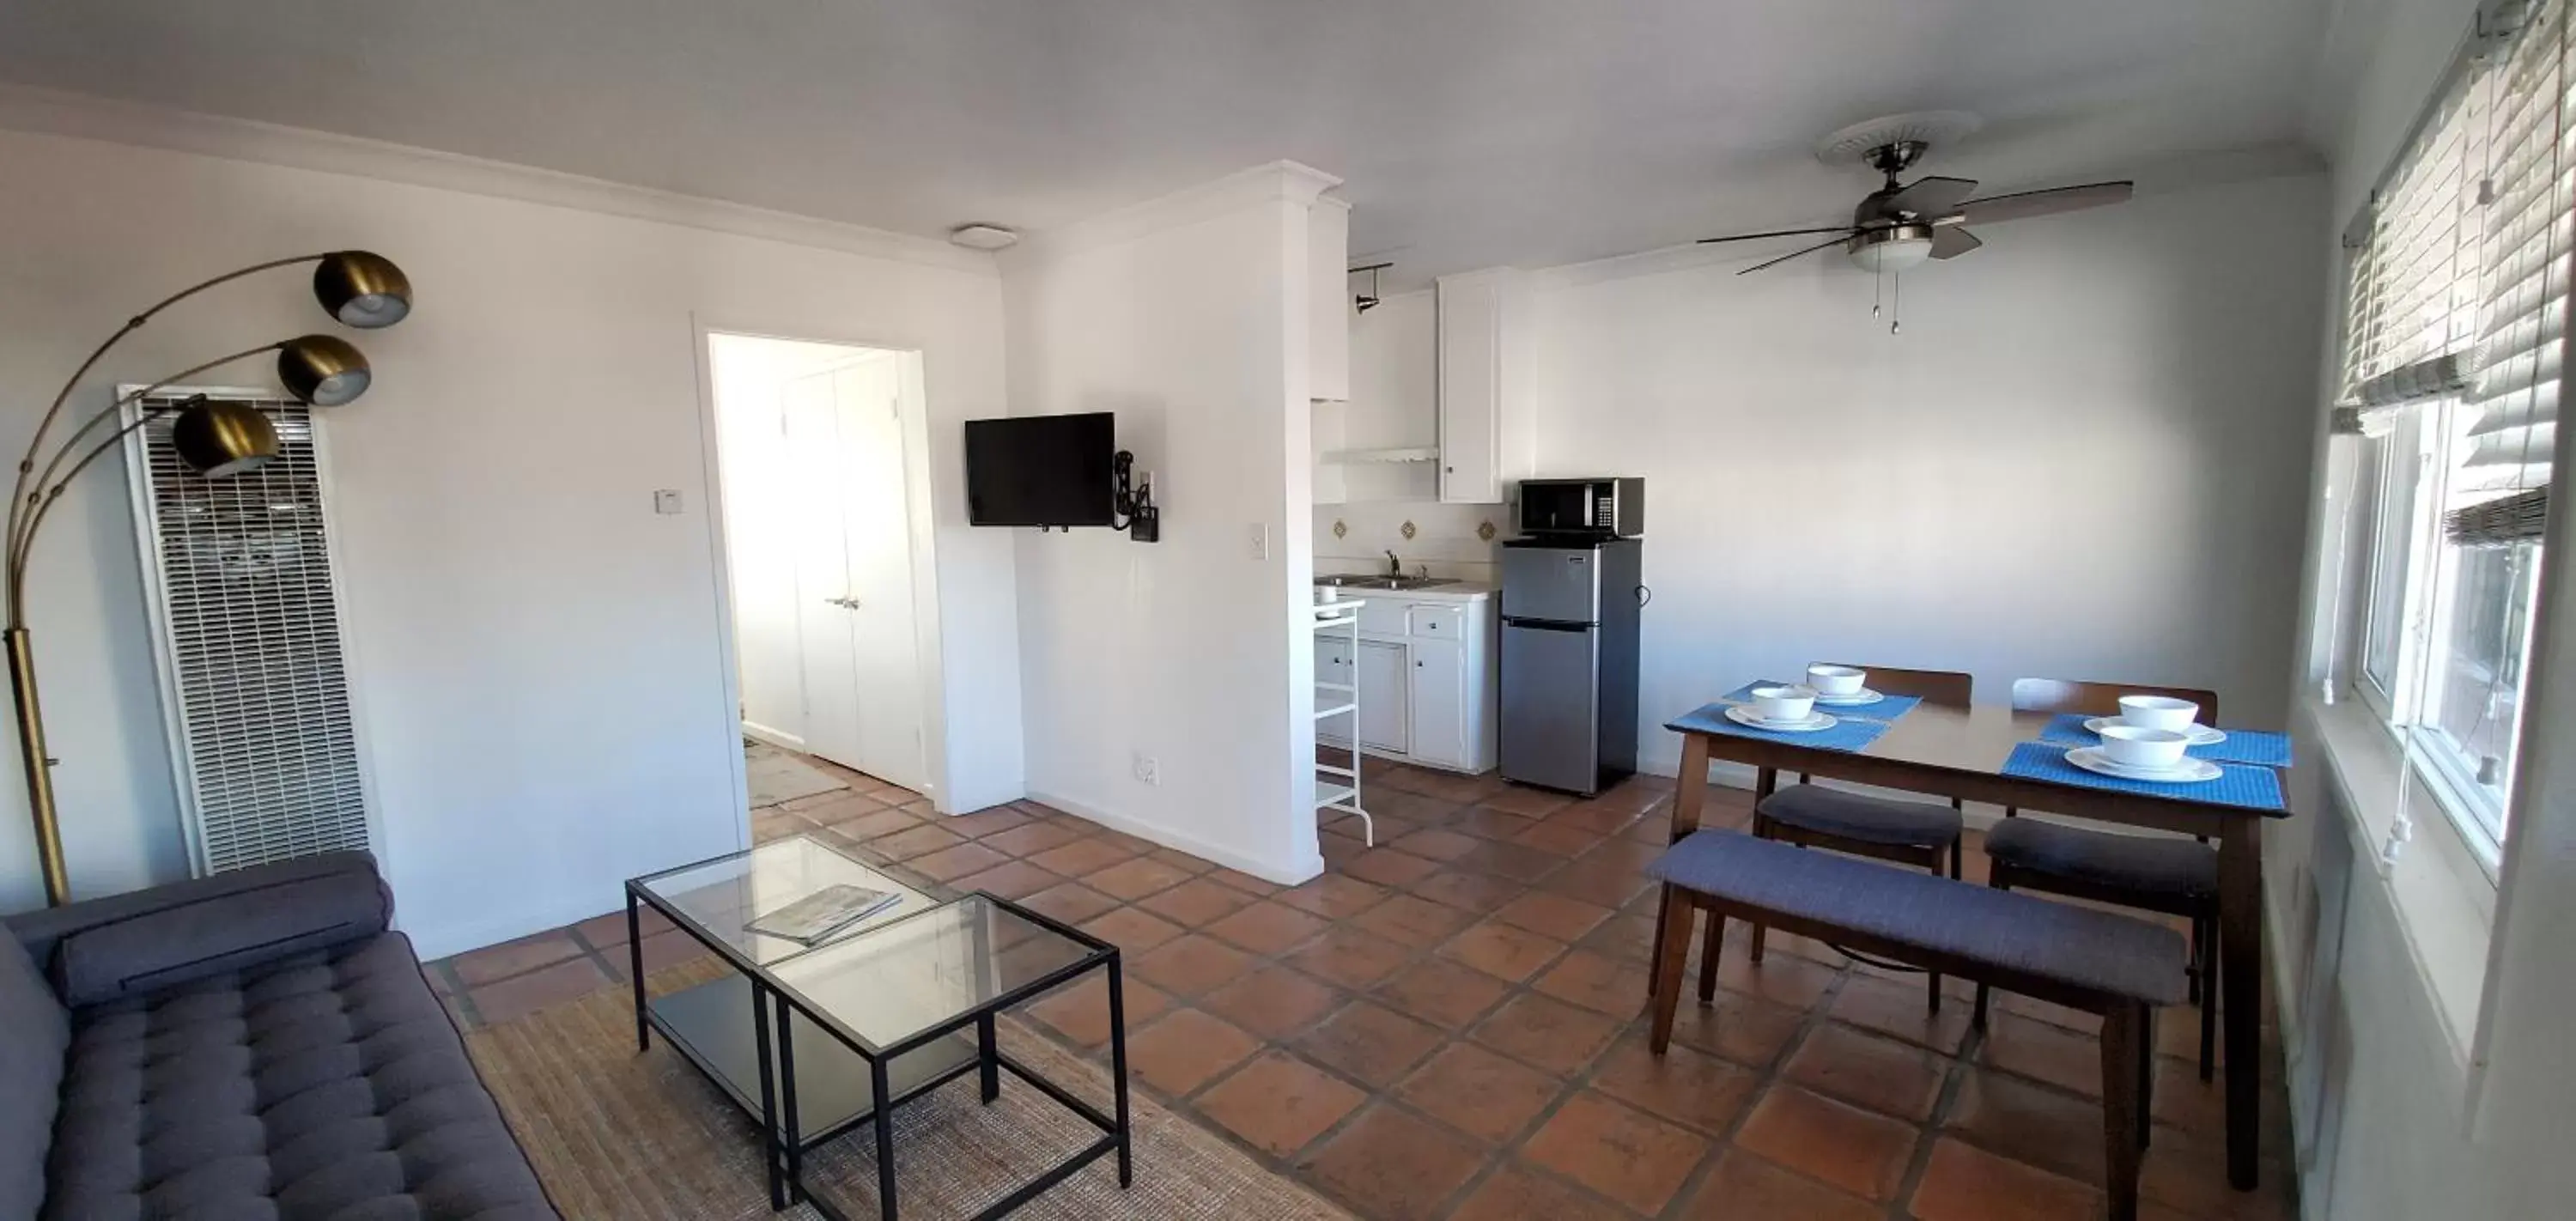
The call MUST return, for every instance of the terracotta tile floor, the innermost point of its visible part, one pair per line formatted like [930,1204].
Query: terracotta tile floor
[1450,1025]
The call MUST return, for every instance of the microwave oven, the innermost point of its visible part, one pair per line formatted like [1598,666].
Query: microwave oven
[1593,508]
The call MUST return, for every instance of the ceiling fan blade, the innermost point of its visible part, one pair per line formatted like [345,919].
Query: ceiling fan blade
[2041,203]
[1929,196]
[1845,230]
[1795,253]
[1951,241]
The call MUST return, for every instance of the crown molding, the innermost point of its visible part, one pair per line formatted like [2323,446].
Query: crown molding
[1272,182]
[81,116]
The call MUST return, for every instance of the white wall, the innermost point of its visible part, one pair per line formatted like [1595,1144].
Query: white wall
[543,667]
[1187,317]
[2399,1118]
[2150,366]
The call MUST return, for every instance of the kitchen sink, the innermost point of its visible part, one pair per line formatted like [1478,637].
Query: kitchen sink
[1387,583]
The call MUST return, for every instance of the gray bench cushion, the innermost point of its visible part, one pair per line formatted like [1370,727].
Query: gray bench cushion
[1871,820]
[2182,868]
[2056,941]
[325,1084]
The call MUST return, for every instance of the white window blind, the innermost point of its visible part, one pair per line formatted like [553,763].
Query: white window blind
[2510,425]
[2454,326]
[255,681]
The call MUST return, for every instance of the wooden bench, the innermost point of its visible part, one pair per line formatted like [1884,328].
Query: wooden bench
[2115,966]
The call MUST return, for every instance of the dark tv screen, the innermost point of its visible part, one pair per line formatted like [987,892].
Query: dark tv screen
[1043,470]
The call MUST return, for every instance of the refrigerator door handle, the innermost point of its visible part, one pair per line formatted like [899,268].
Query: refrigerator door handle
[1548,625]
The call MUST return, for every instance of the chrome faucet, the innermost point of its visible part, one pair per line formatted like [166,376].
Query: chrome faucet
[1394,567]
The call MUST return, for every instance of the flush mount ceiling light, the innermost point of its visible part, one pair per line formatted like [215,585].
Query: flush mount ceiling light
[983,237]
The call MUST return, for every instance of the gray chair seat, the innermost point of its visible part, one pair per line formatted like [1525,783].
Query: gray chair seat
[2158,866]
[1874,820]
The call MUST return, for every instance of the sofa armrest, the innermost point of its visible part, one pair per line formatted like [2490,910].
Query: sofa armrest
[149,939]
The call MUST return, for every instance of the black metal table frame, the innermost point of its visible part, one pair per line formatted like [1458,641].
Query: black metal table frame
[774,1001]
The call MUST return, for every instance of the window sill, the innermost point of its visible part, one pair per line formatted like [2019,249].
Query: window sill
[2441,892]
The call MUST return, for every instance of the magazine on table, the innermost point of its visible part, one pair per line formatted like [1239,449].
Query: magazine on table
[821,914]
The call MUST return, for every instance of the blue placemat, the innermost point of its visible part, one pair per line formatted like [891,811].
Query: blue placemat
[1886,709]
[2238,784]
[2258,747]
[1847,734]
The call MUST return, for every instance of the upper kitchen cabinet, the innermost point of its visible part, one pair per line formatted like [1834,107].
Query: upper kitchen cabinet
[1488,425]
[1328,344]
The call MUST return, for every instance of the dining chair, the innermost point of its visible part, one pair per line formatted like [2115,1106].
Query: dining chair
[2169,875]
[1887,829]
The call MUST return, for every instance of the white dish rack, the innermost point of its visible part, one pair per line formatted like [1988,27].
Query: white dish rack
[1338,788]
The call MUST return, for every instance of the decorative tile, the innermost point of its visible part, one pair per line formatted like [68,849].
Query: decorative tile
[1406,530]
[1341,529]
[1485,531]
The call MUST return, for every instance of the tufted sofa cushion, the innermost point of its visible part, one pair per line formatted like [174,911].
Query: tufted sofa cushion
[327,1085]
[33,1033]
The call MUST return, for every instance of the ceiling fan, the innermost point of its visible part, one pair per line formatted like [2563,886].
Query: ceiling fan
[1901,224]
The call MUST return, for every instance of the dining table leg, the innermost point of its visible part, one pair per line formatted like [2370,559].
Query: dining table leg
[2240,969]
[1690,788]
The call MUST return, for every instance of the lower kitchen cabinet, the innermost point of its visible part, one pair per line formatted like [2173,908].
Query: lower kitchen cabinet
[1438,704]
[1425,673]
[1383,682]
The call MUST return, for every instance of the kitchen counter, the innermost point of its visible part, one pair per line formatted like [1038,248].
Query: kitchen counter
[1455,591]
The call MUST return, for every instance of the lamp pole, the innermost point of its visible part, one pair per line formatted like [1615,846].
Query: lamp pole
[358,288]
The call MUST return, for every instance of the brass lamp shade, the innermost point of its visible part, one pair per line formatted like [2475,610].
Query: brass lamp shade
[223,438]
[321,370]
[362,289]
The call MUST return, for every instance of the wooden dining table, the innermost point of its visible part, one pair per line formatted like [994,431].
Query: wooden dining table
[1960,752]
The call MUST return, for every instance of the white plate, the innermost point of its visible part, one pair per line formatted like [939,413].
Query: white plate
[2197,735]
[2192,771]
[1866,698]
[1814,721]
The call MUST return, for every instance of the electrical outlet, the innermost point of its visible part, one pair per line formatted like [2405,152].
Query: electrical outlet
[1260,540]
[1146,770]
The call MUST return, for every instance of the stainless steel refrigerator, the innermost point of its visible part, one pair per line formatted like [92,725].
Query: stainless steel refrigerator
[1569,661]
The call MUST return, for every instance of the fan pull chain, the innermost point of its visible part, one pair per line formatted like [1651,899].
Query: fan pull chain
[1896,307]
[1877,288]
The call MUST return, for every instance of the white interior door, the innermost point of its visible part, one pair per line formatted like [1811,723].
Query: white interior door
[884,648]
[854,570]
[817,519]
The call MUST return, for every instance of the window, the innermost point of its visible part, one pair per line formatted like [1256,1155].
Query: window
[2452,341]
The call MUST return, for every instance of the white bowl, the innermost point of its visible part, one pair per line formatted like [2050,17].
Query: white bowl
[1784,703]
[2158,712]
[1326,595]
[2133,746]
[1836,680]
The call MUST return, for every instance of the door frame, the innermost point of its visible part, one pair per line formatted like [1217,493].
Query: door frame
[927,659]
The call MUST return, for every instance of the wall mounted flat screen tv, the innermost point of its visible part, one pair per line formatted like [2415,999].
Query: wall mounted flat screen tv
[1040,470]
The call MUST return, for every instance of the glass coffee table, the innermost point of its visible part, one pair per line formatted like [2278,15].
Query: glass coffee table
[808,1040]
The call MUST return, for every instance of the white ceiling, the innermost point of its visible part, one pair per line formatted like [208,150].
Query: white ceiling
[1470,132]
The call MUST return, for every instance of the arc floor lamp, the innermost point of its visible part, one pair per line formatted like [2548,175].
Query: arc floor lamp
[215,439]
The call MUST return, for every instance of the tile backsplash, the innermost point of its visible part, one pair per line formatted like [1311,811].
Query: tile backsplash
[1444,536]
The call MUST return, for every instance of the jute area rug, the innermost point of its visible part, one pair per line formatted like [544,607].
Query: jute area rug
[617,1135]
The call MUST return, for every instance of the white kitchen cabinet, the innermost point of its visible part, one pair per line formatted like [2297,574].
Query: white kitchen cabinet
[1385,705]
[1488,421]
[1425,669]
[1439,703]
[1328,341]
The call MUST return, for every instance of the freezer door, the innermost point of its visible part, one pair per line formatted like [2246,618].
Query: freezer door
[1551,706]
[1562,584]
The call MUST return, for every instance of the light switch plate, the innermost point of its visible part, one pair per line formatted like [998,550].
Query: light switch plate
[666,501]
